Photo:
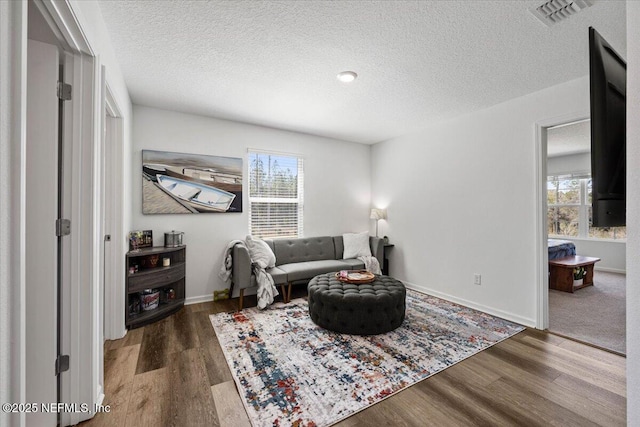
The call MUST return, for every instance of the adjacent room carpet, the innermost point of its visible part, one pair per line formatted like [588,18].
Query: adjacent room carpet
[595,314]
[289,371]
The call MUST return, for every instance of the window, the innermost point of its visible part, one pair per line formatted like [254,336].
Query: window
[569,209]
[276,183]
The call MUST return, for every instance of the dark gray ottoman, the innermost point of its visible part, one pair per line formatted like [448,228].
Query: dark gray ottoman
[368,309]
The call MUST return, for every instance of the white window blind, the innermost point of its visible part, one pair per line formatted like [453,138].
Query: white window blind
[276,188]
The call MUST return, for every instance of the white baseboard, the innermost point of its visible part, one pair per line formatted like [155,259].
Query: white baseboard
[198,299]
[489,310]
[609,270]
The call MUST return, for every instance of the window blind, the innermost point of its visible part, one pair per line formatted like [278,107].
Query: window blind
[276,188]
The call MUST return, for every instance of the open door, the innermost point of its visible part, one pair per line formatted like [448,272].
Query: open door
[41,242]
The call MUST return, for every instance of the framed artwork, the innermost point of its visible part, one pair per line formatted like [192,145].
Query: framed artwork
[180,183]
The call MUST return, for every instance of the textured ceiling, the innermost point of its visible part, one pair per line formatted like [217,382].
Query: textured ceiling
[569,139]
[274,63]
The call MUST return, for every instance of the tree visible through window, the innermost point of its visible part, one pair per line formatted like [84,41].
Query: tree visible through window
[276,184]
[569,209]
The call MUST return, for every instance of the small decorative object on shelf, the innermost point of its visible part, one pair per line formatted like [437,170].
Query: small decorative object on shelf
[578,275]
[154,289]
[150,299]
[385,239]
[140,239]
[173,239]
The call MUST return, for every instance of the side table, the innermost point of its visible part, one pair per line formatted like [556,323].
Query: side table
[561,272]
[385,264]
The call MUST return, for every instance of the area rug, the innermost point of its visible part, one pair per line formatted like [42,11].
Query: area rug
[291,372]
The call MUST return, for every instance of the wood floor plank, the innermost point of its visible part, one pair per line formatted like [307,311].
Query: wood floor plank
[568,366]
[133,337]
[150,399]
[214,360]
[229,408]
[119,367]
[574,400]
[471,372]
[118,402]
[594,353]
[203,306]
[539,410]
[580,359]
[183,334]
[154,352]
[191,399]
[537,367]
[466,399]
[608,398]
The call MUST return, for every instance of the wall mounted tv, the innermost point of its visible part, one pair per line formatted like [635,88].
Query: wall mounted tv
[608,86]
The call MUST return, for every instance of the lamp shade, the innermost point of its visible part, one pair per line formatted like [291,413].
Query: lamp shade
[378,214]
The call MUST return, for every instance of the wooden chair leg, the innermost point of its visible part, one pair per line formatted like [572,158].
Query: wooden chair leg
[284,294]
[241,300]
[289,294]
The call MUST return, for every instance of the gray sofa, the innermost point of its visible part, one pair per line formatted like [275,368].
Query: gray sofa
[298,261]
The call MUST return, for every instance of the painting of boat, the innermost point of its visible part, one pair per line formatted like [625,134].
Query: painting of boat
[150,171]
[200,197]
[211,177]
[184,183]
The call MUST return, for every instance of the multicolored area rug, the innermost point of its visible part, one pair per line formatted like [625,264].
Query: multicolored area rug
[289,371]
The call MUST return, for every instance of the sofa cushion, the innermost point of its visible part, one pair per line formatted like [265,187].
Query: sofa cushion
[279,276]
[356,244]
[303,249]
[260,252]
[353,264]
[307,270]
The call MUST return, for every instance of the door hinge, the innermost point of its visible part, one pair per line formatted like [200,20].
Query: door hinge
[63,227]
[64,91]
[62,363]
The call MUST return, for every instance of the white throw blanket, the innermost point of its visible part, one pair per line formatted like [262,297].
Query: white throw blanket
[371,264]
[266,287]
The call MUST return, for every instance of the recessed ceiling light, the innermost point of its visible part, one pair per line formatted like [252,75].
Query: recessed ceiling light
[347,76]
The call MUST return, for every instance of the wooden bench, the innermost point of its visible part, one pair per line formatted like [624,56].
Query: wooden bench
[561,272]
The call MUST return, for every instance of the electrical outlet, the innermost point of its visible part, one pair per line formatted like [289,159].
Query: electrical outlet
[477,279]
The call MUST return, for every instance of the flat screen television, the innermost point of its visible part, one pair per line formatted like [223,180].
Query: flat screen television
[608,90]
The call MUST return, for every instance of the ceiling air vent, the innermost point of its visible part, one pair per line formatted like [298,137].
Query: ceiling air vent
[554,11]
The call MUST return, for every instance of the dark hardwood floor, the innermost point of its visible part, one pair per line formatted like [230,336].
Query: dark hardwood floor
[173,373]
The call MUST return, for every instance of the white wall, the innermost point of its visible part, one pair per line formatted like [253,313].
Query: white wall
[612,253]
[336,193]
[461,200]
[633,212]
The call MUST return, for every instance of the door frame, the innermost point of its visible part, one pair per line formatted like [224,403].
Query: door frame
[542,253]
[114,295]
[82,383]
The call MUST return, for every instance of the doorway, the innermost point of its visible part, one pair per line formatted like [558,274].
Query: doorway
[57,181]
[594,314]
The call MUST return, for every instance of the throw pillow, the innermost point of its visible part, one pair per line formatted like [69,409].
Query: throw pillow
[260,252]
[355,245]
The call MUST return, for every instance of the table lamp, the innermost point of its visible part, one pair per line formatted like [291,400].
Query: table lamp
[378,214]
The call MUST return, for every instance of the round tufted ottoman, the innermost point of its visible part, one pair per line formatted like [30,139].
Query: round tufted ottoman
[368,309]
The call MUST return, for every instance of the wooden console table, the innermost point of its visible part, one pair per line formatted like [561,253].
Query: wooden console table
[561,272]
